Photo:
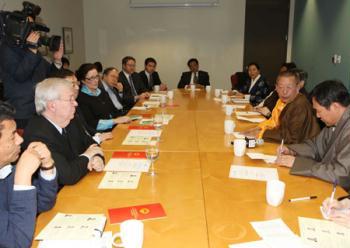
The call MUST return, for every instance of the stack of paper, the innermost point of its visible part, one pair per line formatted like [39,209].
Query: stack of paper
[73,227]
[253,173]
[142,137]
[323,233]
[120,180]
[270,159]
[247,113]
[254,120]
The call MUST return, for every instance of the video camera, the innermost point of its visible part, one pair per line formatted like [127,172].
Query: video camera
[16,27]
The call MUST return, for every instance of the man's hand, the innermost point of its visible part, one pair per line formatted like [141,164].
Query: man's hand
[33,39]
[122,119]
[92,151]
[44,153]
[105,136]
[119,86]
[96,164]
[144,96]
[57,56]
[28,163]
[264,111]
[285,160]
[163,87]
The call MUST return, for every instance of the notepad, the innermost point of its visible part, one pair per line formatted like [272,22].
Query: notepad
[73,227]
[258,155]
[254,120]
[253,173]
[128,161]
[120,180]
[142,137]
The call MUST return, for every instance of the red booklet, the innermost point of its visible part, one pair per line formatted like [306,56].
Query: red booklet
[145,127]
[142,212]
[127,154]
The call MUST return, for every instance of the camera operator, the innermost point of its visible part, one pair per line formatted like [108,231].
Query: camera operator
[22,66]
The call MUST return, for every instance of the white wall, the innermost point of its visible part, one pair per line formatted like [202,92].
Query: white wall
[214,35]
[57,14]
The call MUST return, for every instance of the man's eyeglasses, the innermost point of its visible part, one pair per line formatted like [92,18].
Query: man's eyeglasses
[71,99]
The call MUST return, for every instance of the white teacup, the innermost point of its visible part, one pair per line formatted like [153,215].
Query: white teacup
[239,146]
[275,192]
[156,88]
[228,110]
[193,87]
[229,126]
[170,94]
[131,234]
[208,88]
[163,99]
[217,92]
[224,99]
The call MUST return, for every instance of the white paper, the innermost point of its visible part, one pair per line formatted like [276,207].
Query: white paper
[247,113]
[146,121]
[253,173]
[254,120]
[151,104]
[265,157]
[166,118]
[139,108]
[128,164]
[142,137]
[120,180]
[73,227]
[104,242]
[271,228]
[323,233]
[253,244]
[235,100]
[235,106]
[286,242]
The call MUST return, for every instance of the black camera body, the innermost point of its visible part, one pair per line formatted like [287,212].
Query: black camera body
[16,27]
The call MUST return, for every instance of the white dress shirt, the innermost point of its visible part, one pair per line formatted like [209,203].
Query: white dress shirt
[253,82]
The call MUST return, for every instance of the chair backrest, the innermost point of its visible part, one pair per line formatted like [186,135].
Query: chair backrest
[238,79]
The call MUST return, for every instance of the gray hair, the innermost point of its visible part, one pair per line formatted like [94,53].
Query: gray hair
[49,90]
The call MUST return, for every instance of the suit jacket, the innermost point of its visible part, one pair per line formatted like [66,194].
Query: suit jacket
[127,92]
[297,123]
[259,91]
[155,77]
[123,101]
[327,155]
[203,79]
[65,151]
[18,209]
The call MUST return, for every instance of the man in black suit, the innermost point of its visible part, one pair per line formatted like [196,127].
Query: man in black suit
[149,75]
[194,76]
[73,150]
[133,86]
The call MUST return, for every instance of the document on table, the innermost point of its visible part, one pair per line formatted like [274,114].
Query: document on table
[166,118]
[247,113]
[245,101]
[151,104]
[254,120]
[275,242]
[323,233]
[253,173]
[272,228]
[73,227]
[238,135]
[124,164]
[258,155]
[142,137]
[120,180]
[147,121]
[104,242]
[235,106]
[139,108]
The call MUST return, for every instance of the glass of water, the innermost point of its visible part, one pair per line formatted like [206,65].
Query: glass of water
[152,153]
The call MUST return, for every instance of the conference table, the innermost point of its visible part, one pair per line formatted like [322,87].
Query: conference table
[204,207]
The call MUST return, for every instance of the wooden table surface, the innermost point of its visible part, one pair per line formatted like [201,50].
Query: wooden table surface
[205,208]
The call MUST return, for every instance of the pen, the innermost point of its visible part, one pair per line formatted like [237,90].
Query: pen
[281,147]
[332,196]
[303,198]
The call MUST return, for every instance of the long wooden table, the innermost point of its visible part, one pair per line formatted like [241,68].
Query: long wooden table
[205,208]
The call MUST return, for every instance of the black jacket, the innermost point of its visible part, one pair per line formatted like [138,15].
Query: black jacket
[147,84]
[21,70]
[203,79]
[71,167]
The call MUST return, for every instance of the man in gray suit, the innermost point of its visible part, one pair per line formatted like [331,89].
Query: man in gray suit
[327,155]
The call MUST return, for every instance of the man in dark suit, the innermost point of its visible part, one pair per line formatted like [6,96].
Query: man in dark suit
[73,150]
[133,86]
[22,197]
[194,76]
[150,76]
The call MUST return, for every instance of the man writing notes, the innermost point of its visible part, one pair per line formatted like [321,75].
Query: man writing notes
[327,155]
[292,118]
[22,196]
[194,76]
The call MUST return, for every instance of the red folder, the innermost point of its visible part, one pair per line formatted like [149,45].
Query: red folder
[142,212]
[145,127]
[127,154]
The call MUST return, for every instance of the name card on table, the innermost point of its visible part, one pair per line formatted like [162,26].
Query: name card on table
[128,161]
[142,137]
[253,173]
[120,180]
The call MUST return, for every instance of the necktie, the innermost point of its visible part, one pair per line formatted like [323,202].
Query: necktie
[114,98]
[150,82]
[133,90]
[195,78]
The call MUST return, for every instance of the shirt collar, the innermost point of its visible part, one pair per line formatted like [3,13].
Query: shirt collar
[59,129]
[87,91]
[105,85]
[256,79]
[126,74]
[5,171]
